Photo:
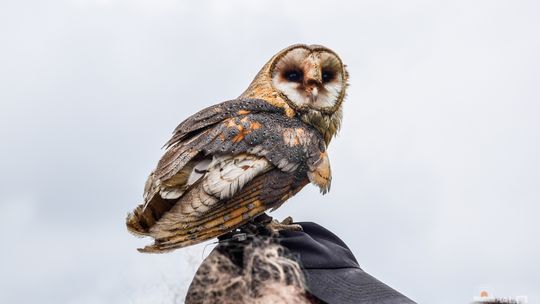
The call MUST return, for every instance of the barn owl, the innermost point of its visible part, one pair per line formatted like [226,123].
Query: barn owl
[231,162]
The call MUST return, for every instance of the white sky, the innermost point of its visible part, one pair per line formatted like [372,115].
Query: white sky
[436,182]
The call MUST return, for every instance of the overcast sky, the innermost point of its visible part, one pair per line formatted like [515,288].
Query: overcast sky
[436,174]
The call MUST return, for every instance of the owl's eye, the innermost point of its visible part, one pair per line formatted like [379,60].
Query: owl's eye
[294,75]
[327,76]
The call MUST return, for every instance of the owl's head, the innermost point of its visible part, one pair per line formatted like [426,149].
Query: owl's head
[310,78]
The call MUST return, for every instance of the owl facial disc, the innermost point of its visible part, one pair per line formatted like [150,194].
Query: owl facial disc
[310,78]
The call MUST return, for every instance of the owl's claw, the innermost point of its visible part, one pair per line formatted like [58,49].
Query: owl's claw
[287,221]
[286,225]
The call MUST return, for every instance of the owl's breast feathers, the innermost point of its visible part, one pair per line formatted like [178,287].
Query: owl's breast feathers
[223,166]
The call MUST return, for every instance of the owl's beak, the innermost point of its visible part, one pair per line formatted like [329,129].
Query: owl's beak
[312,77]
[311,86]
[312,93]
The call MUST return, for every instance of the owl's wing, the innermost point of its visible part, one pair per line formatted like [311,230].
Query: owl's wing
[217,113]
[183,225]
[222,170]
[202,128]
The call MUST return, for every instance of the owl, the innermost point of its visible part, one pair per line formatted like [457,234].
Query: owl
[233,161]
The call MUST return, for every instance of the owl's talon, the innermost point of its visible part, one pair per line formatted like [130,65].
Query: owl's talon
[287,221]
[286,225]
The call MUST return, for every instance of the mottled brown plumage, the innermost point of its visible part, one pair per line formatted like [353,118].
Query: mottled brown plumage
[235,160]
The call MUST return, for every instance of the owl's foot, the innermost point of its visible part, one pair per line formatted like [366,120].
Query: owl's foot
[286,225]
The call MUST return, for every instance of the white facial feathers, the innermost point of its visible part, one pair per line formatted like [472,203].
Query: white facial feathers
[309,79]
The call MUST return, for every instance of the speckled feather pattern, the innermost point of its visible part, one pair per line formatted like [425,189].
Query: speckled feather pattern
[235,160]
[242,139]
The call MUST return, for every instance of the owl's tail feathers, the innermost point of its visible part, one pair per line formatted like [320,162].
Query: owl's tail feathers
[172,229]
[266,191]
[132,224]
[136,222]
[183,240]
[146,215]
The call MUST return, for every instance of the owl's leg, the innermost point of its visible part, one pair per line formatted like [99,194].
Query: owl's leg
[286,225]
